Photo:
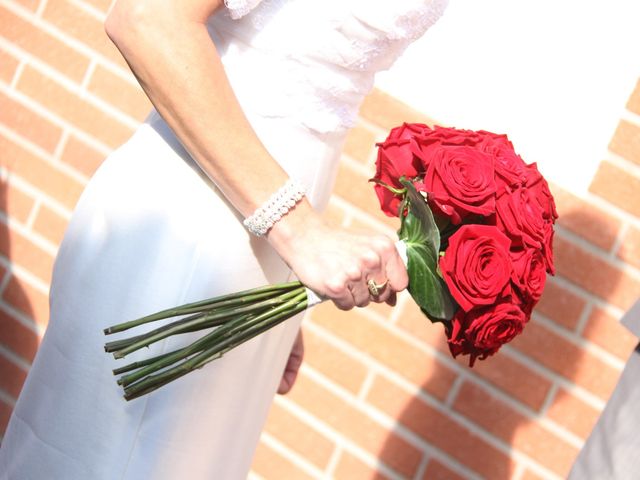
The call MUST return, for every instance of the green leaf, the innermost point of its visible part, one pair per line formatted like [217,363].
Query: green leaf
[421,235]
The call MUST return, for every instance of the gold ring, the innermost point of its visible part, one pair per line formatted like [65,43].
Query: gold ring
[374,288]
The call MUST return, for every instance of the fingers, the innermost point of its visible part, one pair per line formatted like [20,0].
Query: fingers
[339,265]
[394,268]
[380,264]
[293,366]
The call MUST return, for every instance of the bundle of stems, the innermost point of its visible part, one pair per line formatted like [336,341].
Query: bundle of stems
[232,320]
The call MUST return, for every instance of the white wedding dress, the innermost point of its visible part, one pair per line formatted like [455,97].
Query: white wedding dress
[150,232]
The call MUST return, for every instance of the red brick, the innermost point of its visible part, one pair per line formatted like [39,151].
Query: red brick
[69,106]
[497,418]
[590,222]
[440,430]
[345,418]
[412,320]
[618,187]
[8,66]
[334,363]
[355,188]
[270,464]
[607,331]
[299,437]
[359,143]
[30,4]
[437,471]
[514,378]
[44,46]
[14,203]
[39,173]
[11,376]
[21,340]
[28,300]
[22,251]
[82,26]
[388,112]
[81,156]
[50,224]
[381,344]
[567,359]
[123,95]
[29,124]
[502,371]
[5,414]
[595,274]
[529,475]
[102,5]
[629,250]
[572,413]
[350,468]
[634,101]
[626,141]
[560,304]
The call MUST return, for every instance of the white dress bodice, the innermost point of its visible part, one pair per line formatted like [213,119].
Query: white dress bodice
[314,61]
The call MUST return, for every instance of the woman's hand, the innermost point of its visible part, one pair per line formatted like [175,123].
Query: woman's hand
[336,264]
[293,365]
[184,78]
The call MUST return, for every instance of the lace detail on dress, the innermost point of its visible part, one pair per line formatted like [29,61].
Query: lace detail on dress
[239,8]
[313,61]
[397,29]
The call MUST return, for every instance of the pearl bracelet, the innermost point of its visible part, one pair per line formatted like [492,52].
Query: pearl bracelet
[275,208]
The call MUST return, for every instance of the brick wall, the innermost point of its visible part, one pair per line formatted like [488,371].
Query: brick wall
[378,395]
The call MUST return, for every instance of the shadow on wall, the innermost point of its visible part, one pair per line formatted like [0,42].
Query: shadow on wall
[18,339]
[474,419]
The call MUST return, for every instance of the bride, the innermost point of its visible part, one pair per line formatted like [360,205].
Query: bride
[252,103]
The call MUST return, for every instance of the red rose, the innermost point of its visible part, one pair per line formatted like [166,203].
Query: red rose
[407,131]
[519,216]
[395,159]
[481,332]
[540,192]
[432,139]
[529,272]
[460,182]
[547,247]
[476,266]
[455,136]
[509,166]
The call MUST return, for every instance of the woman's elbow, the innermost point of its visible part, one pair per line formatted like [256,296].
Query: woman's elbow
[125,20]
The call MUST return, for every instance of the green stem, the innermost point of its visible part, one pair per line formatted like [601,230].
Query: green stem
[177,327]
[161,361]
[125,342]
[237,335]
[223,300]
[394,190]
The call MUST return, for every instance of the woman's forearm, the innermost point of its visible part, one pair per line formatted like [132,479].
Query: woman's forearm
[169,50]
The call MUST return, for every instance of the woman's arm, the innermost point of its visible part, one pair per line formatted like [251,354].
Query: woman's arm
[167,46]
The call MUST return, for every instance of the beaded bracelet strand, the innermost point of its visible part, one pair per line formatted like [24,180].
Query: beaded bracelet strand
[278,205]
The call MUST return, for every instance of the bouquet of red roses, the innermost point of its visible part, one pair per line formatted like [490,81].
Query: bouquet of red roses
[476,226]
[485,225]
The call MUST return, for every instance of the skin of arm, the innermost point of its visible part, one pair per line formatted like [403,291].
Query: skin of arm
[168,48]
